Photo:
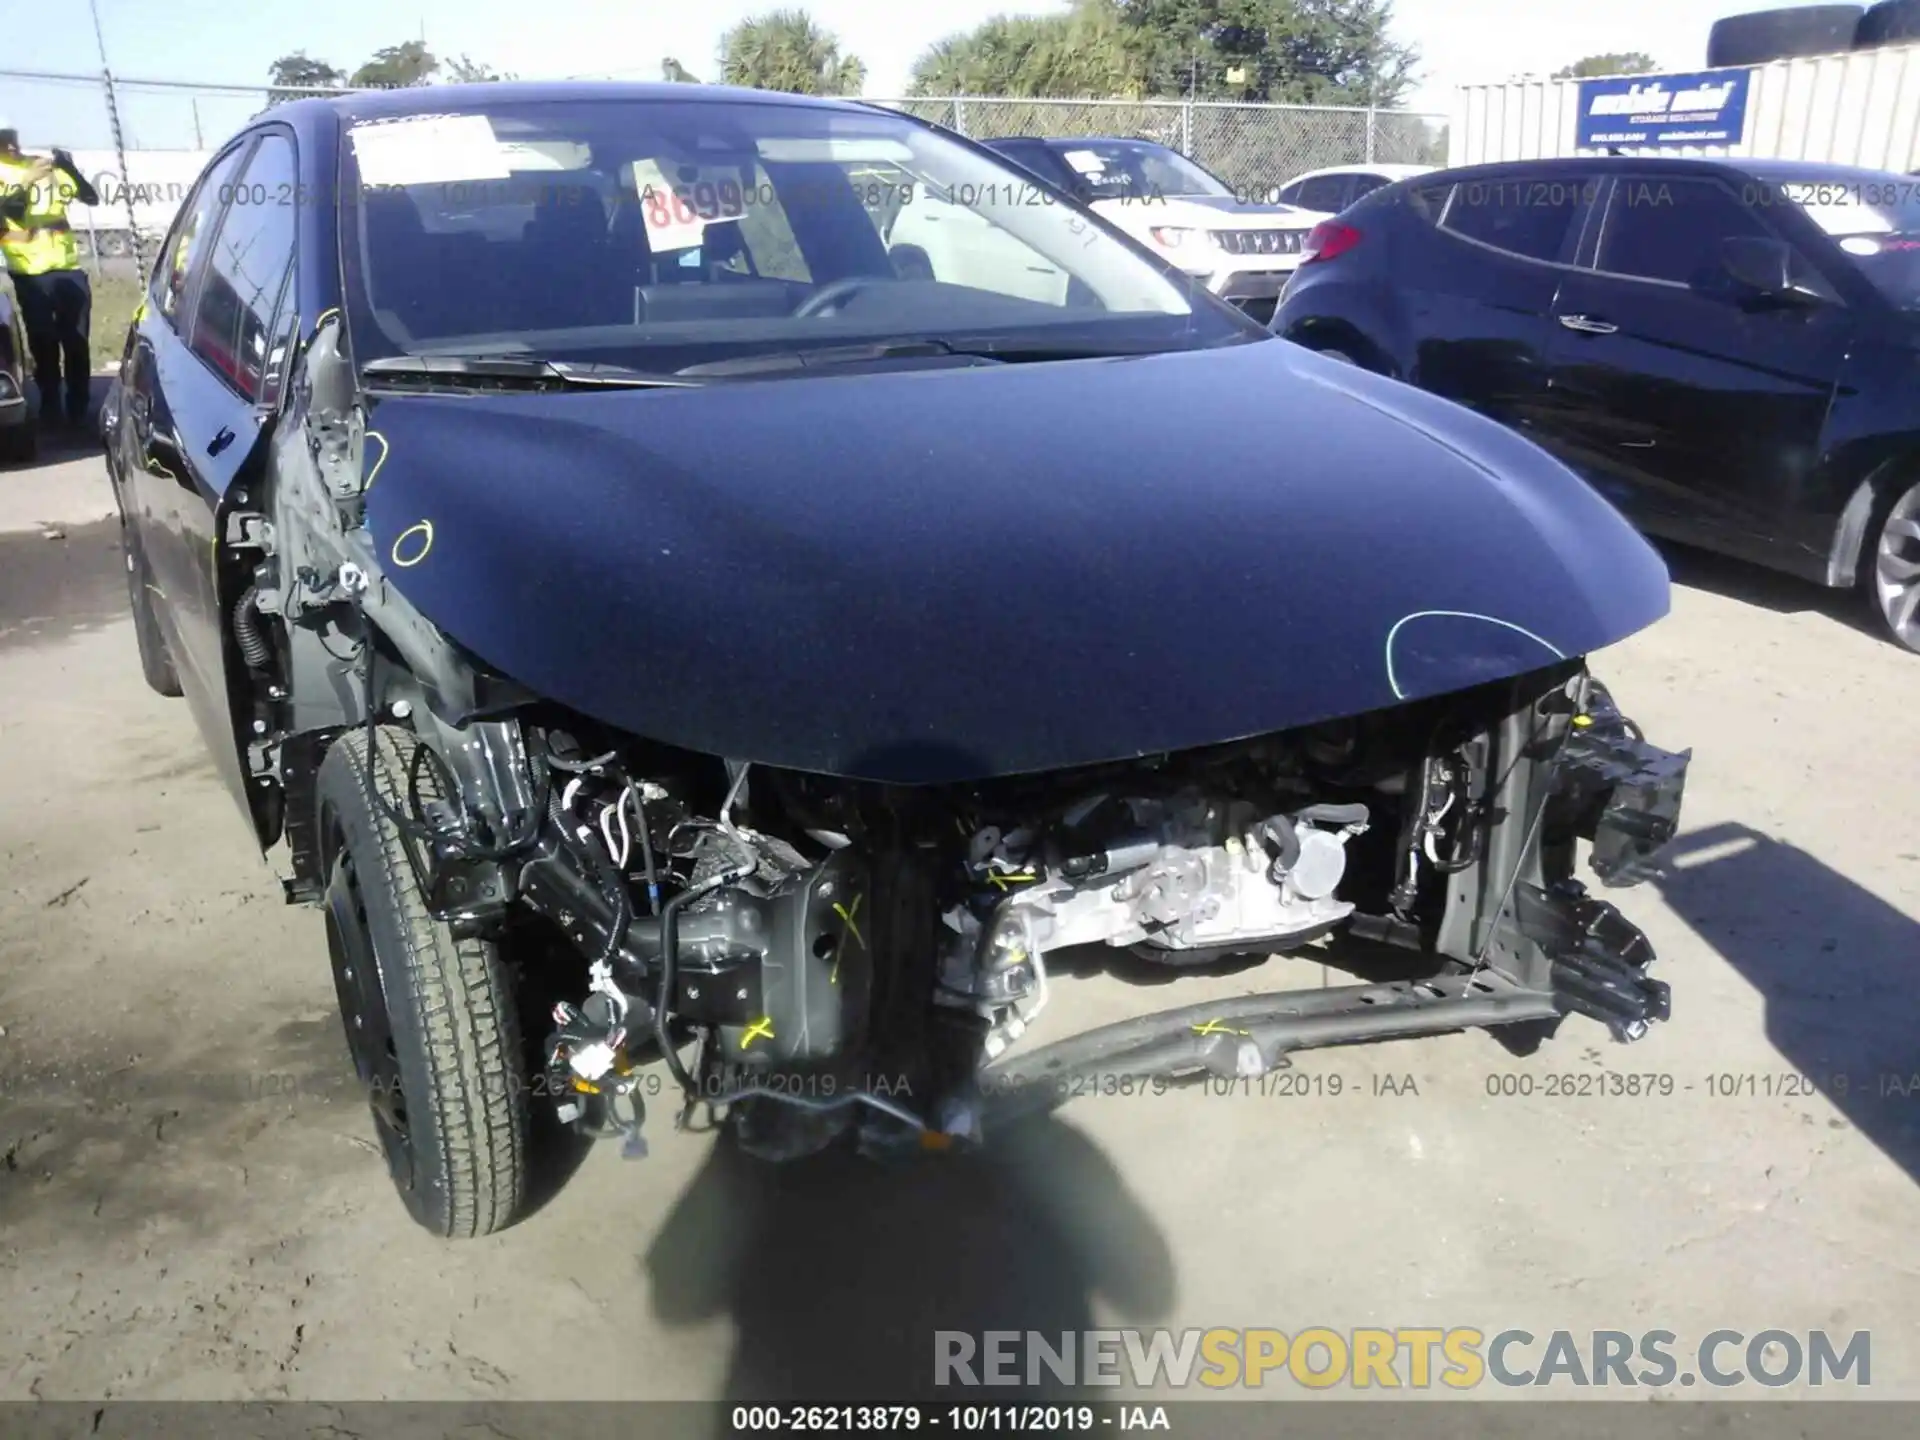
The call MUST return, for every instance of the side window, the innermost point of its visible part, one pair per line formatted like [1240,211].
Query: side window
[1366,185]
[1290,194]
[1665,229]
[247,268]
[182,247]
[1324,192]
[1525,217]
[1049,166]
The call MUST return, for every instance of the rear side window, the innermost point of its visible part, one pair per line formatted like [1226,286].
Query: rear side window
[184,242]
[1324,192]
[247,269]
[1366,184]
[1527,217]
[1665,229]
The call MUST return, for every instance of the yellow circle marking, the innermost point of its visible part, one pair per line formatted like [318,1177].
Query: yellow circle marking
[425,531]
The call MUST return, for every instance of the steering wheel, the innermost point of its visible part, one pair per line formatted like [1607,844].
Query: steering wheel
[834,293]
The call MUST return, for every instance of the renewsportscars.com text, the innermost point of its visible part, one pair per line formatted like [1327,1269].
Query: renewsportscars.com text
[1414,1358]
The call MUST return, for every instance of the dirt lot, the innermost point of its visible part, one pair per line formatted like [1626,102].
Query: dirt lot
[191,1205]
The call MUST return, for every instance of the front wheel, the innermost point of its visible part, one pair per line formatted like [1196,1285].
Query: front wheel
[430,1018]
[1892,578]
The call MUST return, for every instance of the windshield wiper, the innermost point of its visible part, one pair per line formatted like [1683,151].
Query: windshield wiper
[823,357]
[1002,352]
[530,370]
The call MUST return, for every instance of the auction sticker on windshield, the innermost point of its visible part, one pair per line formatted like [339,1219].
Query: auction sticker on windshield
[677,215]
[427,149]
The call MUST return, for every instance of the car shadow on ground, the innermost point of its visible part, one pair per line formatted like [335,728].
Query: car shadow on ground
[1774,590]
[1838,967]
[58,581]
[837,1272]
[57,444]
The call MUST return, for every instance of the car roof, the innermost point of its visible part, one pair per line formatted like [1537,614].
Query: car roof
[1758,168]
[1057,141]
[1792,170]
[1365,167]
[434,99]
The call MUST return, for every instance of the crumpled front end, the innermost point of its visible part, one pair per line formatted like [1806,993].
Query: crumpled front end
[1519,938]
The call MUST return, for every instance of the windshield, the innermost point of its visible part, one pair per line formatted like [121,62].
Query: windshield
[659,234]
[1876,223]
[1137,170]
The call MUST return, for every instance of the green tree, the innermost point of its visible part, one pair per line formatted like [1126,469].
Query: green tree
[672,70]
[463,71]
[293,75]
[1086,52]
[1334,52]
[1628,62]
[786,50]
[1314,51]
[409,63]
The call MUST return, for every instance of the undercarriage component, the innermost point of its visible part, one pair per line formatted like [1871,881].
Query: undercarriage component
[1250,1035]
[1623,792]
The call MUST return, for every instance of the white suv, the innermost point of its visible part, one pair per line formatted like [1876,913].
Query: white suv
[1243,250]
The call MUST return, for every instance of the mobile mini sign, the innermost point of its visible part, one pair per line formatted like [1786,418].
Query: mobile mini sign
[1709,108]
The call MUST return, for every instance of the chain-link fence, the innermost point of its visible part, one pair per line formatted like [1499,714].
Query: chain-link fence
[1254,148]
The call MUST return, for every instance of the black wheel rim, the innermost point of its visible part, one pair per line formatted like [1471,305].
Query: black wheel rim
[364,1014]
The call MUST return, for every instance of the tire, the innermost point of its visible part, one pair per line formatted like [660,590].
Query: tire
[19,444]
[1891,22]
[1890,568]
[156,663]
[430,1018]
[1763,35]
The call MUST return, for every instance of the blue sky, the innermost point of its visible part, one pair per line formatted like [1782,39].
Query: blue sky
[223,41]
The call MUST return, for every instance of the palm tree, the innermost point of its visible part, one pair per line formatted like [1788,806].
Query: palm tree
[786,50]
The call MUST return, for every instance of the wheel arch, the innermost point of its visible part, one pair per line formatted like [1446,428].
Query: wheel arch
[1319,332]
[1848,542]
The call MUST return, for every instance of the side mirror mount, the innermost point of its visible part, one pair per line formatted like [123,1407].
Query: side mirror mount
[1760,270]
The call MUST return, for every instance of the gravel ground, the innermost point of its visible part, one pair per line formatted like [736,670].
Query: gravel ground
[191,1205]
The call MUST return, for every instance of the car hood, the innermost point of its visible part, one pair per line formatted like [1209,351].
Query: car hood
[1204,212]
[952,573]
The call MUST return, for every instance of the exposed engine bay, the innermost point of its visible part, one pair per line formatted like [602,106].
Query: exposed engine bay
[849,957]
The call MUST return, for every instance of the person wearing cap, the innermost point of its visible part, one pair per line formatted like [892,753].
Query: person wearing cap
[44,258]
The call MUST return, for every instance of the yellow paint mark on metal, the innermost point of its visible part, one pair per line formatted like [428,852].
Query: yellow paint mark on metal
[761,1029]
[424,532]
[375,472]
[1001,880]
[1583,721]
[1215,1027]
[846,914]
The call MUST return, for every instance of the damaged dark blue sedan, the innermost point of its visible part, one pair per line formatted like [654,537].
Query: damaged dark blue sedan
[653,615]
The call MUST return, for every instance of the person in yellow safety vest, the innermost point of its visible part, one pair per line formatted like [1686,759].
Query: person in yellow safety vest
[55,299]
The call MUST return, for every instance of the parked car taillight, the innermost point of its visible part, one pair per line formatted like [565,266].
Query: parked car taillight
[1328,239]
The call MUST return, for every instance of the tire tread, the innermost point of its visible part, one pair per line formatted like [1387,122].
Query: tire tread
[460,1007]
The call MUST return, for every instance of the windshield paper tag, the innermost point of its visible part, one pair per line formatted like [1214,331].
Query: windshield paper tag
[677,216]
[428,150]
